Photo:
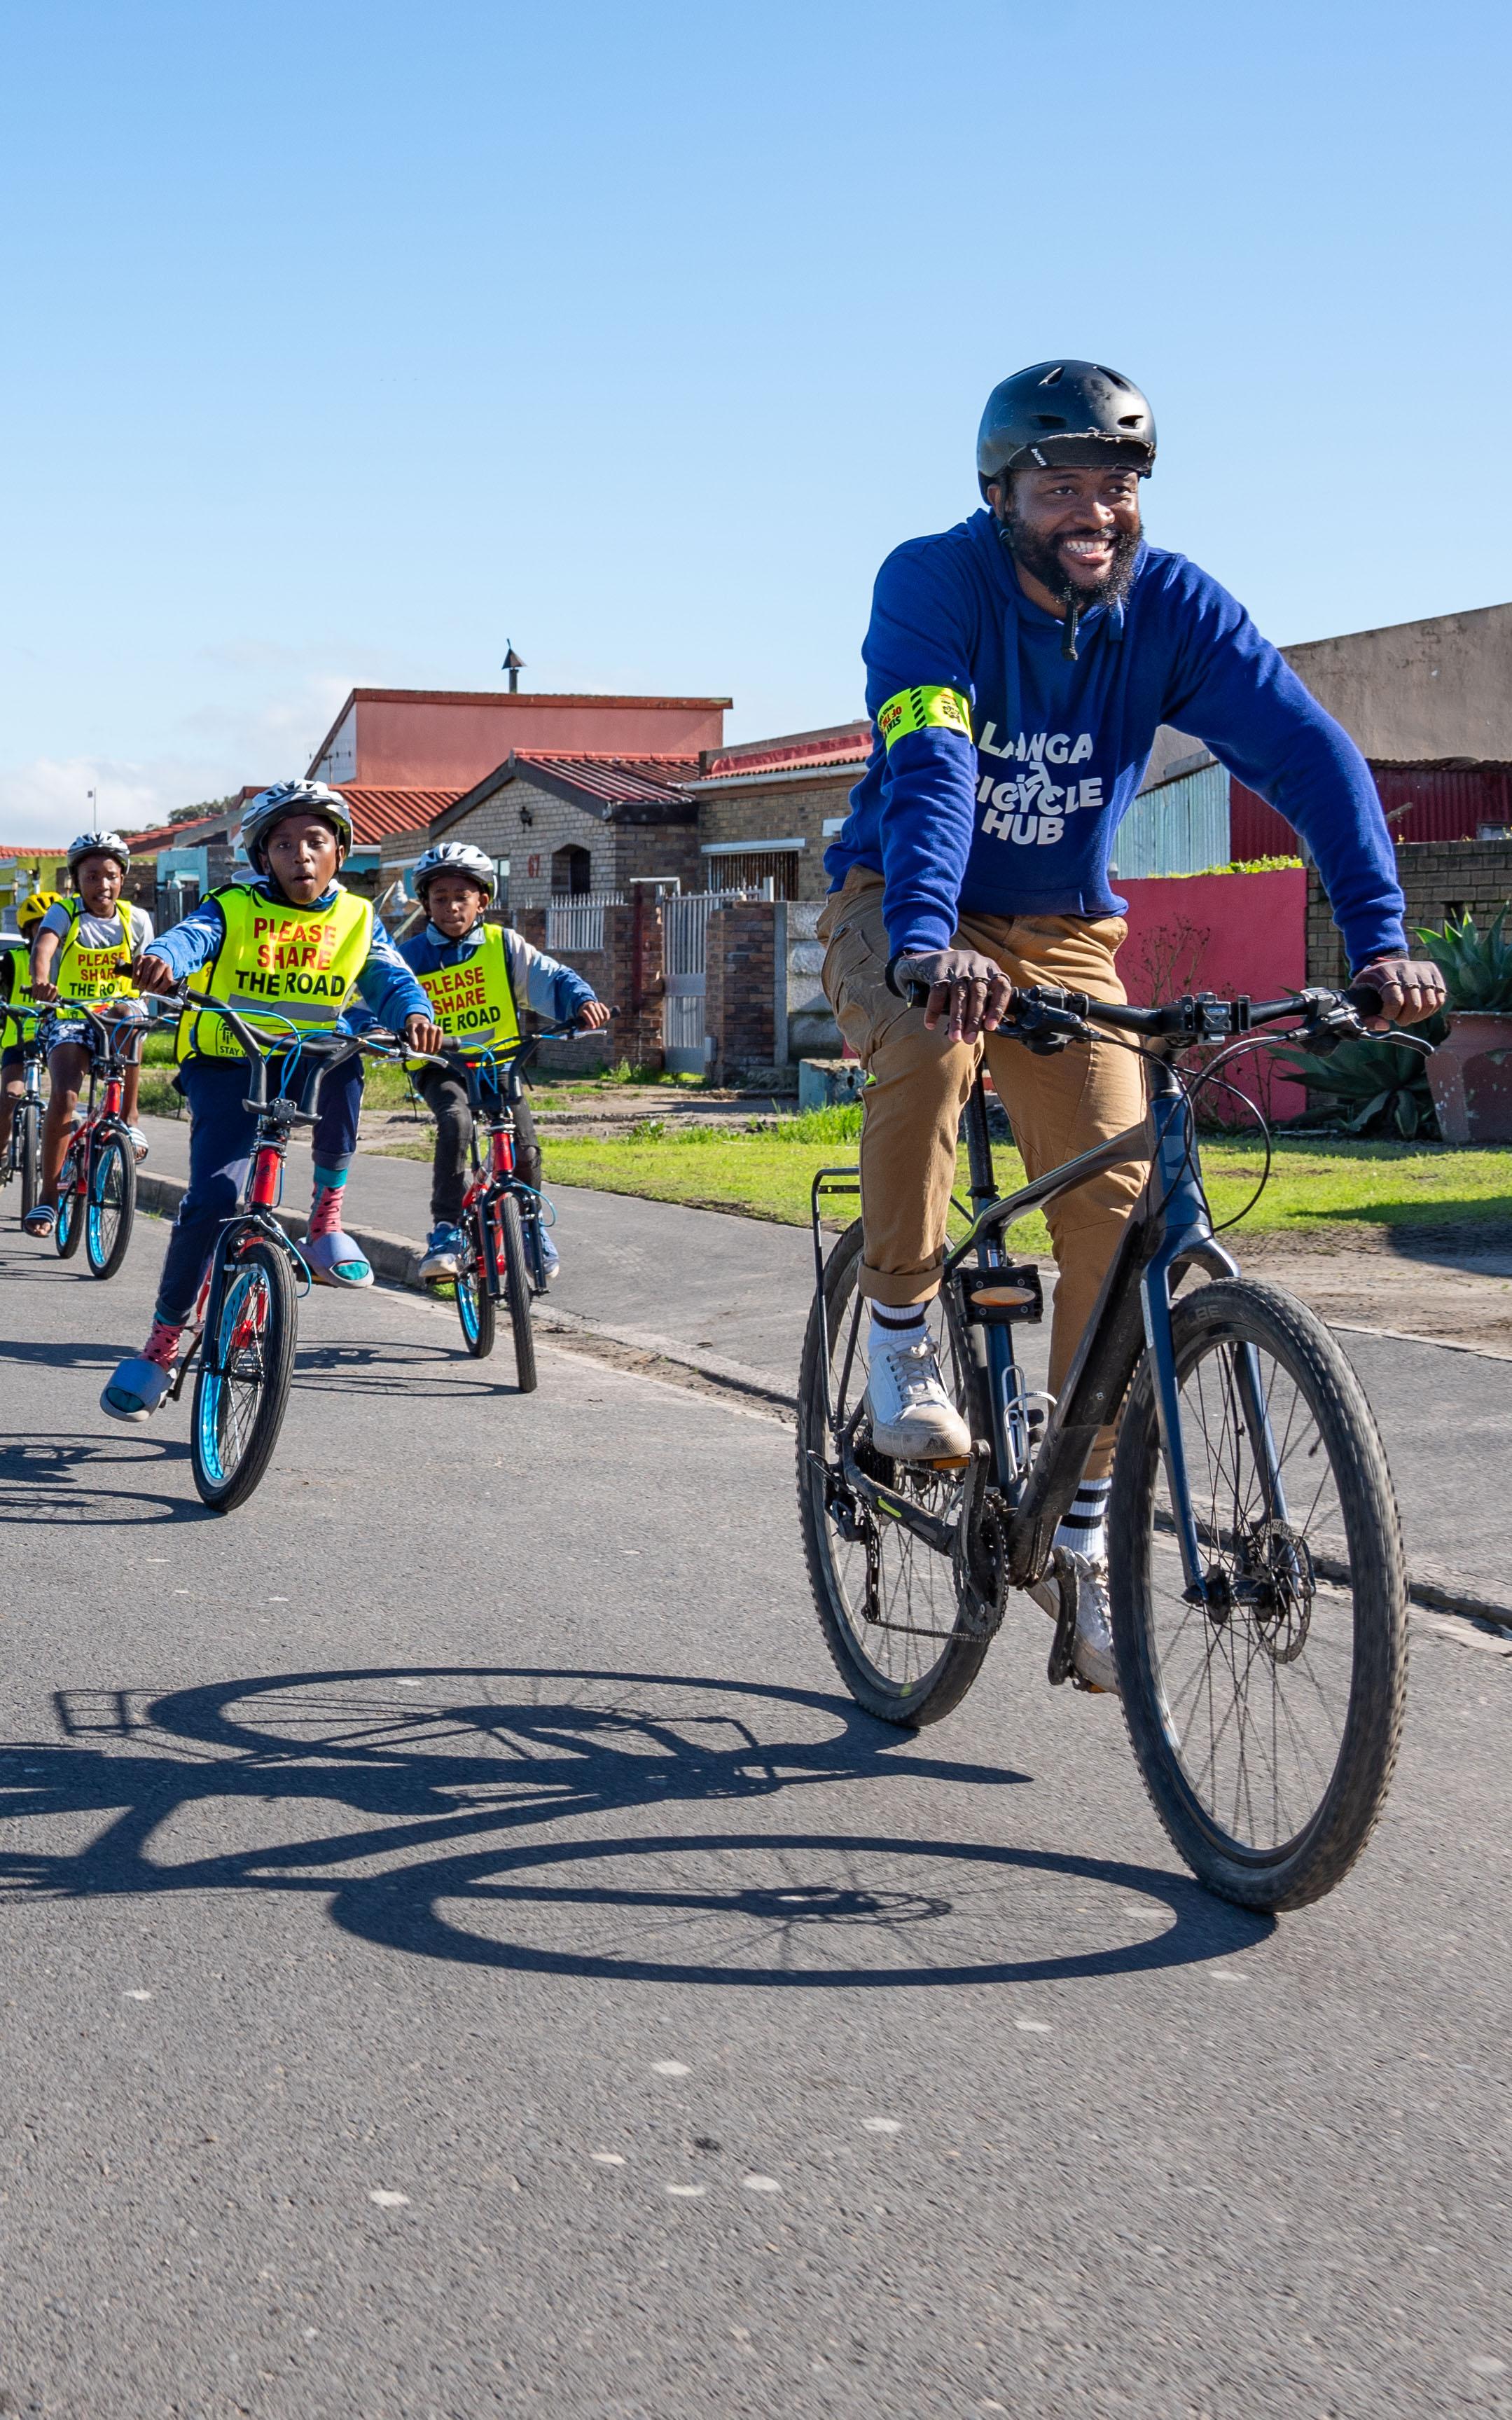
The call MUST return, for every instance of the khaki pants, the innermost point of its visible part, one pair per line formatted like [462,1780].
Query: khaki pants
[1060,1105]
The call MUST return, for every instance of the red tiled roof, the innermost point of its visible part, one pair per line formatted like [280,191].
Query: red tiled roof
[619,781]
[26,850]
[375,813]
[846,743]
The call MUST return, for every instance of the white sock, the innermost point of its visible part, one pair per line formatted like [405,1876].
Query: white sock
[1084,1526]
[902,1326]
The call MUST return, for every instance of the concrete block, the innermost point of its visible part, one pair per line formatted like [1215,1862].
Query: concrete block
[822,1083]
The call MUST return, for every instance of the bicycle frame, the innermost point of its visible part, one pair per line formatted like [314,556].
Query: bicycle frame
[1169,1232]
[107,1067]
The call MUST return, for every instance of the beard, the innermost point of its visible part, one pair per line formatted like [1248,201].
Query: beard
[1041,558]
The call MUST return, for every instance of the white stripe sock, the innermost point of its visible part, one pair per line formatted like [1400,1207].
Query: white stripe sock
[1084,1526]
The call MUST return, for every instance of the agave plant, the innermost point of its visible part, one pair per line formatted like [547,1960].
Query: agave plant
[1376,1085]
[1476,967]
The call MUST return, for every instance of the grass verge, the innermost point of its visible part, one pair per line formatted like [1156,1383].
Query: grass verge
[1316,1187]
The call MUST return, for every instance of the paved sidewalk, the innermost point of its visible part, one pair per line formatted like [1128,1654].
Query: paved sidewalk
[732,1294]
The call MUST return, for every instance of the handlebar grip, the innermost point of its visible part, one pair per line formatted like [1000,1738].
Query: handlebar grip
[1364,999]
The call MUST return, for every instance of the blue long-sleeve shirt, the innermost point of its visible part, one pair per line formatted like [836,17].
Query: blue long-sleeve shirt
[386,988]
[1018,816]
[543,983]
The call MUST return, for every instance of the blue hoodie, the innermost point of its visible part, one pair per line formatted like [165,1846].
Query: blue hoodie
[1018,818]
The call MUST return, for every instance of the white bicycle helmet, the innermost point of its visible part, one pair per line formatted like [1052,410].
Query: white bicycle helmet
[454,857]
[293,799]
[99,844]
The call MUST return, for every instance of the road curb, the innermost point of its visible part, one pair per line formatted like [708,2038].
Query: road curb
[396,1262]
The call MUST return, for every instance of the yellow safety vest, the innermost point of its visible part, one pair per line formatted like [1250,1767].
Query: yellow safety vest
[474,1000]
[89,974]
[279,966]
[18,1014]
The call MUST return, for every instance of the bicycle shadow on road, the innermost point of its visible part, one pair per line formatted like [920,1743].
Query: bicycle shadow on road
[419,1372]
[482,1787]
[75,1478]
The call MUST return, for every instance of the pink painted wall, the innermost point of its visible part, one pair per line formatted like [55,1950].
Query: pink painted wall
[1225,933]
[444,743]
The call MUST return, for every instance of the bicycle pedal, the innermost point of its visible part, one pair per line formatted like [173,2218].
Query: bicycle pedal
[1062,1666]
[949,1462]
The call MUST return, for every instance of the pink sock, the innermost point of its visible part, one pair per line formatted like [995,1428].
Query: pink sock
[325,1211]
[162,1344]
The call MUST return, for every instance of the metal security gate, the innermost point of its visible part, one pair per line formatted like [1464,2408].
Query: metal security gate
[684,934]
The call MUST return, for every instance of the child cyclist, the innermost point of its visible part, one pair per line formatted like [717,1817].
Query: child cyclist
[478,976]
[285,950]
[18,1008]
[82,958]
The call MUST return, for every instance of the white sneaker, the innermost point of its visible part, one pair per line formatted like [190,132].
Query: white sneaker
[138,1142]
[913,1417]
[1092,1646]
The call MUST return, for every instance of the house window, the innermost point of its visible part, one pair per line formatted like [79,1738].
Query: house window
[754,869]
[572,872]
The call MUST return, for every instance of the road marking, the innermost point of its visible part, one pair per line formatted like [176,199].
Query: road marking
[670,2066]
[390,2200]
[761,2184]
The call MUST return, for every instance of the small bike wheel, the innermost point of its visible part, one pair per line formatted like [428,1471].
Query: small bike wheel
[888,1603]
[26,1153]
[69,1233]
[475,1303]
[518,1291]
[110,1208]
[1265,1720]
[246,1367]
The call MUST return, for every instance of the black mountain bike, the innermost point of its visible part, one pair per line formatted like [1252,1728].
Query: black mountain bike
[1256,1577]
[24,1153]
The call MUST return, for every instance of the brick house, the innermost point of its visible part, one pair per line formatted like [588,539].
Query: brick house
[767,811]
[564,827]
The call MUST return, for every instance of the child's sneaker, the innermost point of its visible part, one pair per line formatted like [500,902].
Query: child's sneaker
[550,1258]
[332,1258]
[138,1142]
[442,1254]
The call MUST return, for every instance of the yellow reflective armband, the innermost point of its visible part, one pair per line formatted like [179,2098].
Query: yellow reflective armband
[924,709]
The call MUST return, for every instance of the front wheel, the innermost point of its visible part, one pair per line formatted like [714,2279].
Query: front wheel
[110,1208]
[888,1603]
[517,1290]
[246,1368]
[475,1303]
[1265,1720]
[69,1233]
[27,1152]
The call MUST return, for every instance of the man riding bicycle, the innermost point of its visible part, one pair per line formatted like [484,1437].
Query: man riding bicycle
[1018,667]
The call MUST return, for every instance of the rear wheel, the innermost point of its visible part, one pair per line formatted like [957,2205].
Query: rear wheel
[246,1368]
[109,1208]
[1266,1720]
[888,1603]
[27,1152]
[475,1303]
[69,1233]
[517,1290]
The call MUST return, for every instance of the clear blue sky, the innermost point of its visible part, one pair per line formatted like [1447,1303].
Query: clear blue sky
[344,342]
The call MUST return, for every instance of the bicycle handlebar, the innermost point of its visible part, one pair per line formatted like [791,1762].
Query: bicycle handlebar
[1043,1016]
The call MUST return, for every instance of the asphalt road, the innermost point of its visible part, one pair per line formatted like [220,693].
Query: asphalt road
[462,1955]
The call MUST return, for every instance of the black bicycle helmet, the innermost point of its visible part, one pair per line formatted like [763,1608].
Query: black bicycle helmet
[1076,413]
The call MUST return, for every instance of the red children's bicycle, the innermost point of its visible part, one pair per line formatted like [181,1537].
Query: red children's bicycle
[96,1189]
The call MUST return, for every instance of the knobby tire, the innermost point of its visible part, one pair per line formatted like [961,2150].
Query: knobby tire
[939,1685]
[1329,1680]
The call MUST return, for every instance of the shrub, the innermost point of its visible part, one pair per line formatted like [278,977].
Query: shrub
[1476,967]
